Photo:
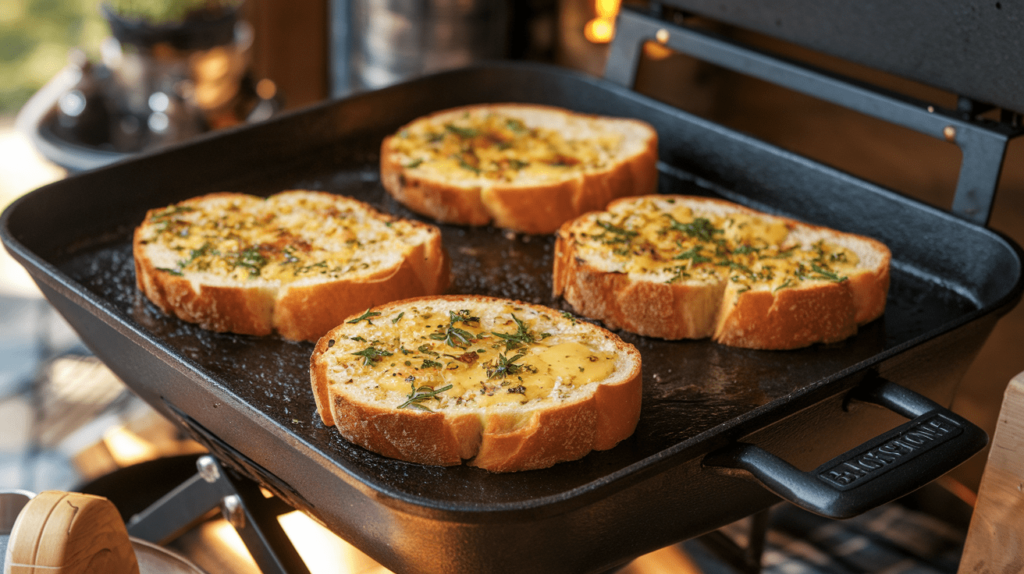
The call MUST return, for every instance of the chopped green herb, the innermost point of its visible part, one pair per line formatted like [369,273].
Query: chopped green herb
[826,273]
[505,367]
[700,228]
[251,259]
[364,317]
[786,283]
[464,165]
[521,337]
[173,210]
[466,133]
[174,272]
[418,395]
[414,163]
[398,318]
[428,364]
[624,233]
[735,266]
[453,337]
[693,254]
[515,125]
[372,354]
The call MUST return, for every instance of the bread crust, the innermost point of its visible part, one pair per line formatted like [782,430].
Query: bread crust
[498,439]
[791,318]
[523,207]
[296,311]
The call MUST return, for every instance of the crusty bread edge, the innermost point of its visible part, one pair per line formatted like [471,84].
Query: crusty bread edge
[754,319]
[497,441]
[298,313]
[535,209]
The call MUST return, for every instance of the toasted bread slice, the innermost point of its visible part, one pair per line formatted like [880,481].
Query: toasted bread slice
[679,267]
[527,168]
[297,262]
[495,383]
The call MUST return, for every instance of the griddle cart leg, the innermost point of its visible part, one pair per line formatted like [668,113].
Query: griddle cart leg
[746,560]
[253,515]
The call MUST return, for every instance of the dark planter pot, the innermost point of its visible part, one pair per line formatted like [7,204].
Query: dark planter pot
[201,29]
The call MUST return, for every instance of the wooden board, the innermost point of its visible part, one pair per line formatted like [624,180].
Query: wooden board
[995,541]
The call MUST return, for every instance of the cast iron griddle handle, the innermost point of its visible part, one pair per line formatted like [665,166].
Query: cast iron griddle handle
[882,469]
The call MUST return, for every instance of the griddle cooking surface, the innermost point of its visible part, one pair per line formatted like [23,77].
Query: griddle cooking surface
[689,387]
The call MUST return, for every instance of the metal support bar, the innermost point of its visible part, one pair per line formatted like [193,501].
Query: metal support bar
[982,143]
[243,505]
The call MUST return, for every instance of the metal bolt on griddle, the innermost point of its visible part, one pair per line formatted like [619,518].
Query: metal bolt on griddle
[207,467]
[231,508]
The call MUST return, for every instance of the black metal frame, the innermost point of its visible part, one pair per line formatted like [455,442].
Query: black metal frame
[982,142]
[243,505]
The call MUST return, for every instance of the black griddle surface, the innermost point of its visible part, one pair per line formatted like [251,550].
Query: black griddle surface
[689,387]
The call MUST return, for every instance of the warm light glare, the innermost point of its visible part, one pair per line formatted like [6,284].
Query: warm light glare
[226,534]
[322,550]
[127,448]
[601,29]
[606,8]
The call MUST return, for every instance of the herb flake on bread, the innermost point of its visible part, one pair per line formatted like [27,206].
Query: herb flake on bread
[679,267]
[494,383]
[522,167]
[297,262]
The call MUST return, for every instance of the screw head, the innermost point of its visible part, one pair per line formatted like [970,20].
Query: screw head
[208,469]
[231,508]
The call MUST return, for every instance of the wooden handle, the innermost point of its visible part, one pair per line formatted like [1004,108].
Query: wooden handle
[69,533]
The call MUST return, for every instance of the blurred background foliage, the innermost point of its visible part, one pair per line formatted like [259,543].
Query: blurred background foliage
[35,37]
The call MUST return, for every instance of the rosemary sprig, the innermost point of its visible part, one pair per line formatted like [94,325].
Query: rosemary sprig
[417,395]
[364,317]
[522,336]
[372,354]
[505,367]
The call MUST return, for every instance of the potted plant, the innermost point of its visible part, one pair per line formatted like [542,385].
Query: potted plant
[181,24]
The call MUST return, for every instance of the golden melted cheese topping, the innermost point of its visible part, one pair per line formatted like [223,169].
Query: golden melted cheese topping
[427,359]
[501,147]
[670,241]
[284,238]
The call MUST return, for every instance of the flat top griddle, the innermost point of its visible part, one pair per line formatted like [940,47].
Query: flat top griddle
[74,236]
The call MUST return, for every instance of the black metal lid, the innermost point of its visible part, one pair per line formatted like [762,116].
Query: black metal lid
[969,48]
